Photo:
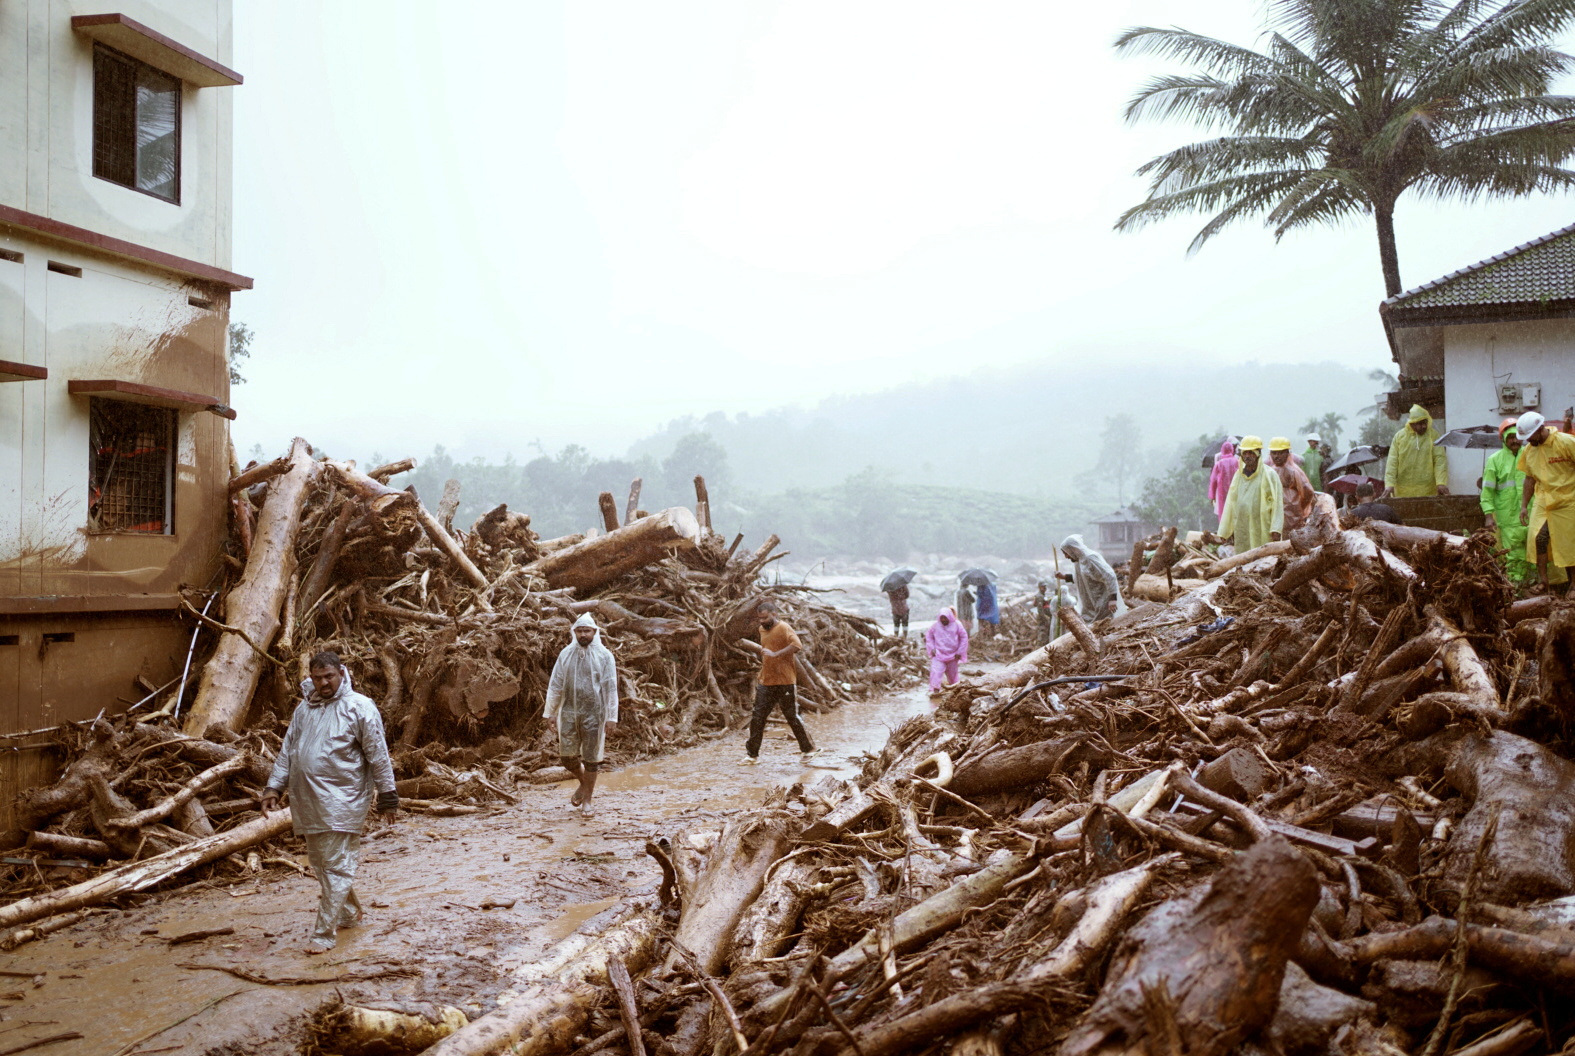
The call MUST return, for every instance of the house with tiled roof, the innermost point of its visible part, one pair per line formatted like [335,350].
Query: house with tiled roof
[1488,342]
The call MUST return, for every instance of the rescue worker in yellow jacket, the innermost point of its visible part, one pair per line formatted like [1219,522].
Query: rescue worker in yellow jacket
[1417,467]
[1255,505]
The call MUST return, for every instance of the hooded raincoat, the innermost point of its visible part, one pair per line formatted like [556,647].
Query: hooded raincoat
[946,644]
[1502,483]
[582,694]
[1254,509]
[1095,580]
[989,606]
[1224,471]
[333,761]
[1416,467]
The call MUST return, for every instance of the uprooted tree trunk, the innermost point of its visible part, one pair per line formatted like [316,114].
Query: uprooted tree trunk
[596,562]
[136,876]
[1020,767]
[1531,793]
[561,992]
[734,875]
[1208,965]
[230,677]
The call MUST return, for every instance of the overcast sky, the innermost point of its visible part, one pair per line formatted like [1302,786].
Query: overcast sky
[490,225]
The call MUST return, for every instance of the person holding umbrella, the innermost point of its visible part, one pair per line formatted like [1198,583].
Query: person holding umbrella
[989,610]
[1503,482]
[895,586]
[1417,467]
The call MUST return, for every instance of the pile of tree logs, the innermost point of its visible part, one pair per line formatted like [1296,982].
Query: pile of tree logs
[452,634]
[1319,804]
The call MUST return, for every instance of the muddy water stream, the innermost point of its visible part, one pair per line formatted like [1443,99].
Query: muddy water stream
[117,980]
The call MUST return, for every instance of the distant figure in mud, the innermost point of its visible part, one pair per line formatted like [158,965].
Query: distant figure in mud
[964,609]
[1047,610]
[582,695]
[1312,461]
[946,644]
[778,685]
[333,762]
[1097,587]
[989,612]
[898,596]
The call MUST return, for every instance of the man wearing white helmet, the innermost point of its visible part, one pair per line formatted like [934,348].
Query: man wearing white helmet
[1547,503]
[582,695]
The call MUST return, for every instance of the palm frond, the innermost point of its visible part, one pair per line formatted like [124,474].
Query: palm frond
[1192,48]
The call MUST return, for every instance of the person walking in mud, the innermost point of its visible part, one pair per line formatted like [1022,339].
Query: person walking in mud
[946,644]
[334,764]
[898,596]
[582,695]
[778,685]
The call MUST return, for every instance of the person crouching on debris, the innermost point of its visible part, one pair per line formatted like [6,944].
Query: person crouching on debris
[946,644]
[1098,591]
[582,695]
[778,685]
[334,763]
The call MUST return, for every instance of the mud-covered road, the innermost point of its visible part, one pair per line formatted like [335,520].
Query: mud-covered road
[118,981]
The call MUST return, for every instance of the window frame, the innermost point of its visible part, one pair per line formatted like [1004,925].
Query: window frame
[172,421]
[137,65]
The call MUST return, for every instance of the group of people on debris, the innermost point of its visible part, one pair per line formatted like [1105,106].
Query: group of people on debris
[1091,588]
[1527,489]
[335,767]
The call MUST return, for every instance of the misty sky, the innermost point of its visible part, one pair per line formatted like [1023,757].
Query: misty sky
[493,224]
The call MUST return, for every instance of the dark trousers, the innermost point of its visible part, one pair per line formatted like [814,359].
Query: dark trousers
[767,697]
[899,623]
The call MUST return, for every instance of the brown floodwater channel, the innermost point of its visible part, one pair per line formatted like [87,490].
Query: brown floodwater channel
[117,980]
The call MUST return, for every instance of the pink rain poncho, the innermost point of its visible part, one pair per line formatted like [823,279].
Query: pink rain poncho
[946,644]
[1225,464]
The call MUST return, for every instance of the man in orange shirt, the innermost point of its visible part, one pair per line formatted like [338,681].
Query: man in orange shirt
[777,685]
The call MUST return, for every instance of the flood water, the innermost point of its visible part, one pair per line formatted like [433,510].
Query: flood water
[117,980]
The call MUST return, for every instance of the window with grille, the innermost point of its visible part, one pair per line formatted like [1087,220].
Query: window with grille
[136,125]
[131,468]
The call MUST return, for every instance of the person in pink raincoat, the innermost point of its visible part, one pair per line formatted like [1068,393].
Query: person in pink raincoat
[946,644]
[1225,464]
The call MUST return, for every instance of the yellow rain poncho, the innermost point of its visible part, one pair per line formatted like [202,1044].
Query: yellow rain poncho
[1552,463]
[1416,467]
[1255,505]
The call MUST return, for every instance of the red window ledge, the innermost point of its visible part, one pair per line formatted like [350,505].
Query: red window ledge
[151,395]
[154,48]
[10,371]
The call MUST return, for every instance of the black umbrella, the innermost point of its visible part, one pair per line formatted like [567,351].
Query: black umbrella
[898,577]
[1476,437]
[977,577]
[1357,456]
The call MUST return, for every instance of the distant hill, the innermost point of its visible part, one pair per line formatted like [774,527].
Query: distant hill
[1029,431]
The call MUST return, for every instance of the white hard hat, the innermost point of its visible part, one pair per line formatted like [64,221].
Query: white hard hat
[1528,423]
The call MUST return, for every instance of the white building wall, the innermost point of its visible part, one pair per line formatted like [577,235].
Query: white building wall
[1481,356]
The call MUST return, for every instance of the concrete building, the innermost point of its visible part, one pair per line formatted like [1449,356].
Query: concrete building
[115,283]
[1487,342]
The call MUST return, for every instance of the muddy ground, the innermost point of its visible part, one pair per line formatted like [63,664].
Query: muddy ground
[117,981]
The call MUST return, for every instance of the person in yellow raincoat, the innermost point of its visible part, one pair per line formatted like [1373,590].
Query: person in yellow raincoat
[1547,503]
[1416,467]
[1255,505]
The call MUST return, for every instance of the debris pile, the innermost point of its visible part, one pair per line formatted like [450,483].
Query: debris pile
[452,634]
[1319,803]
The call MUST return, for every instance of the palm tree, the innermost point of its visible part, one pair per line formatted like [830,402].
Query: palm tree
[1352,104]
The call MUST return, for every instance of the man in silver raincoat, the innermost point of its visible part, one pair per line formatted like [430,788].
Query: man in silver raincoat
[333,761]
[582,695]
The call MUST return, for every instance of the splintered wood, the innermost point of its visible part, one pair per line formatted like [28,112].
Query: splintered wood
[1317,804]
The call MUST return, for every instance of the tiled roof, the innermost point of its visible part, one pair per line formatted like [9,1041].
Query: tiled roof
[1540,270]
